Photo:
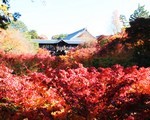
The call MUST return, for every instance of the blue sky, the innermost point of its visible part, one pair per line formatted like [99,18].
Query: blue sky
[66,16]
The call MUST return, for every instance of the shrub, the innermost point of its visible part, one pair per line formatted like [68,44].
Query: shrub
[81,93]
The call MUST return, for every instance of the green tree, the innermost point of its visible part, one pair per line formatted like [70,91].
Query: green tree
[139,34]
[5,16]
[59,37]
[124,21]
[19,25]
[33,34]
[140,12]
[139,37]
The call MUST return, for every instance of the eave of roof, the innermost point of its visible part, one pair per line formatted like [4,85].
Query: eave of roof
[53,41]
[71,41]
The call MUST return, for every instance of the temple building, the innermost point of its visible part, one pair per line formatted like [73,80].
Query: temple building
[72,40]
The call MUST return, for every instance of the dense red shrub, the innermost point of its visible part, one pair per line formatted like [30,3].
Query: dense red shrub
[81,93]
[25,63]
[28,96]
[105,90]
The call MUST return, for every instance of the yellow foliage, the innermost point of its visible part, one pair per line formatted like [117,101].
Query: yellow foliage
[14,41]
[3,7]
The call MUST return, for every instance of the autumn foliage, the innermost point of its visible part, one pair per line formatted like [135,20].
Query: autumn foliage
[13,41]
[73,93]
[44,87]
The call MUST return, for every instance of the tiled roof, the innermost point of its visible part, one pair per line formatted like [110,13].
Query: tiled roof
[70,39]
[74,41]
[74,34]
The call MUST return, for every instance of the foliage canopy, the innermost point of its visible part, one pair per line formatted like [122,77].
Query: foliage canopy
[140,12]
[5,16]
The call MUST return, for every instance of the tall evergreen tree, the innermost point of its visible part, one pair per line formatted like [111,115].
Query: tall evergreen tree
[140,12]
[139,37]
